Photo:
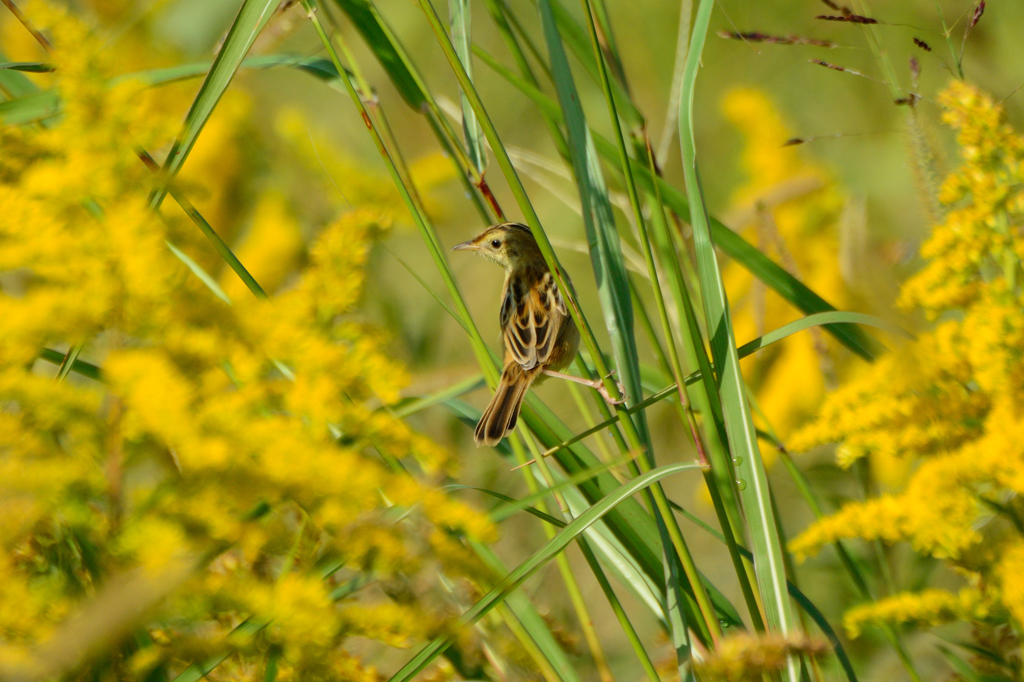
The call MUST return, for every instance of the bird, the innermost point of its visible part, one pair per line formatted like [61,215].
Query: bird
[539,335]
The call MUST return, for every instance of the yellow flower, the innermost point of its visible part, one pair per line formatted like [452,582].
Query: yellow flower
[950,402]
[928,608]
[245,439]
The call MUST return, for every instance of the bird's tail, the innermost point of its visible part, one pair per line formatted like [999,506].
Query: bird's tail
[502,413]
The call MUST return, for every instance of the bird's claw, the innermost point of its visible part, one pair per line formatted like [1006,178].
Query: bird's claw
[603,390]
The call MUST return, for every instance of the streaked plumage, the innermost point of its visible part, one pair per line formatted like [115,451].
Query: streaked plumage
[538,333]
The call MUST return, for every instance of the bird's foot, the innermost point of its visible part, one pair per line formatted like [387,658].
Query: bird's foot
[598,384]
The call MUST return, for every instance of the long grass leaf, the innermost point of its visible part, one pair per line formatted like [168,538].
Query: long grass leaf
[461,22]
[28,67]
[410,406]
[86,369]
[754,493]
[538,559]
[199,272]
[387,49]
[820,320]
[429,289]
[13,83]
[252,17]
[533,623]
[605,250]
[29,107]
[575,37]
[218,243]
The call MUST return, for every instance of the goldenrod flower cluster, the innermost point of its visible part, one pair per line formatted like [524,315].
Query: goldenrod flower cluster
[789,208]
[951,402]
[223,482]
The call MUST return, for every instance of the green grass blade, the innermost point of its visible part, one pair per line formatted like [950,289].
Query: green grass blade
[502,512]
[86,369]
[29,104]
[29,107]
[605,250]
[537,560]
[252,17]
[429,289]
[15,84]
[754,494]
[533,623]
[575,36]
[174,74]
[410,406]
[69,361]
[459,14]
[28,67]
[198,271]
[620,613]
[513,502]
[387,49]
[823,320]
[222,248]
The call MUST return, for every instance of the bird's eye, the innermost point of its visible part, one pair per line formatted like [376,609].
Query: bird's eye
[496,243]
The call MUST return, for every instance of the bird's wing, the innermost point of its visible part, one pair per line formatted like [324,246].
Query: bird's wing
[531,317]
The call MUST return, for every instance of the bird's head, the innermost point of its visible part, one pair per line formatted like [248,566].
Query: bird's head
[510,245]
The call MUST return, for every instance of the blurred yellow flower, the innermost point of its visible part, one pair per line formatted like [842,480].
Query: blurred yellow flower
[242,440]
[927,608]
[950,402]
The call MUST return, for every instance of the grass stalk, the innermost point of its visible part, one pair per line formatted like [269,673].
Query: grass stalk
[947,31]
[588,419]
[719,478]
[575,595]
[768,552]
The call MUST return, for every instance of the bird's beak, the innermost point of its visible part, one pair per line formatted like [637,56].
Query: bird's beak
[464,246]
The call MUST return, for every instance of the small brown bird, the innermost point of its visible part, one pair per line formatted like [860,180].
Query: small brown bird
[539,335]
